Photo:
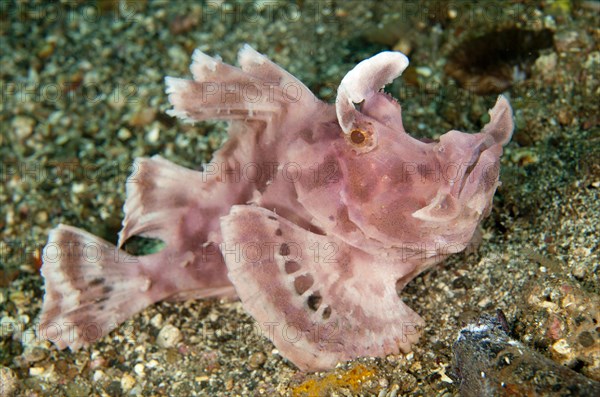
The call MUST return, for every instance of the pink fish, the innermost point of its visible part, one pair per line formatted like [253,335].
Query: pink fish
[315,215]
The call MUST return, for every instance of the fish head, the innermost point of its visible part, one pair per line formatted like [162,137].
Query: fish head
[398,189]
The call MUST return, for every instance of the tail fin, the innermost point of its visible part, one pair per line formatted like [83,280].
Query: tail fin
[91,287]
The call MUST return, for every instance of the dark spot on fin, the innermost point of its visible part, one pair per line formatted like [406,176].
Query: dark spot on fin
[284,250]
[314,301]
[291,267]
[97,281]
[303,283]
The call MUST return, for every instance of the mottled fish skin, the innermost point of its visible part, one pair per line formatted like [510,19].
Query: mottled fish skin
[314,214]
[488,362]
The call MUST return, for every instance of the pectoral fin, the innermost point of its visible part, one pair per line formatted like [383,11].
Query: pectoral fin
[319,300]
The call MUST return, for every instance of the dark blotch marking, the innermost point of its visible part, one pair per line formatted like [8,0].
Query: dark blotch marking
[107,289]
[326,313]
[271,217]
[284,249]
[303,283]
[307,135]
[97,281]
[278,232]
[291,267]
[314,301]
[100,300]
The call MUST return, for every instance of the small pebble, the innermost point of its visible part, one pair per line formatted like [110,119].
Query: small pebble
[484,302]
[77,188]
[34,354]
[127,382]
[152,364]
[593,60]
[47,50]
[77,389]
[139,369]
[41,217]
[424,71]
[8,381]
[562,347]
[169,336]
[143,117]
[23,126]
[202,378]
[564,117]
[157,320]
[383,383]
[257,360]
[579,271]
[124,134]
[546,63]
[36,371]
[153,135]
[98,376]
[18,298]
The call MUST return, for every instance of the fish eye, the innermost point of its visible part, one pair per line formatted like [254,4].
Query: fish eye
[357,137]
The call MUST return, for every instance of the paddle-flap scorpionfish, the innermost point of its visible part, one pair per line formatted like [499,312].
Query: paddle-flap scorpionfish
[315,215]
